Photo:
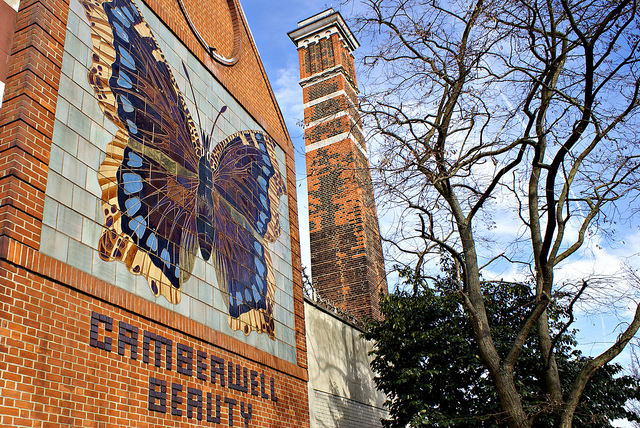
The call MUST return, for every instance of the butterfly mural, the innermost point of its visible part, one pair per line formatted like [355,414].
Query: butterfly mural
[167,189]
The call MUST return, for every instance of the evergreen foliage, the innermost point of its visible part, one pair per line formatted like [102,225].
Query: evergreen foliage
[427,361]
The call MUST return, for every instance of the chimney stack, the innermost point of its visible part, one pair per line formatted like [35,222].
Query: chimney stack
[346,254]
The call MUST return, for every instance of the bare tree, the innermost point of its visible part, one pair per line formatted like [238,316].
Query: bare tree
[517,113]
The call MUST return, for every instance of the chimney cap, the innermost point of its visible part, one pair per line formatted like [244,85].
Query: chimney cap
[321,21]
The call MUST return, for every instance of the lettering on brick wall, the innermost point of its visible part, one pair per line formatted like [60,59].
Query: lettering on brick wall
[169,396]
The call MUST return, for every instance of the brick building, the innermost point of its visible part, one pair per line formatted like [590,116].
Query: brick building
[149,268]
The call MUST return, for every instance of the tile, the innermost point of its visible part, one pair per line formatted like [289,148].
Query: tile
[76,7]
[205,292]
[286,352]
[84,33]
[55,158]
[53,243]
[191,288]
[93,186]
[110,127]
[262,341]
[172,58]
[74,170]
[213,100]
[210,275]
[163,302]
[278,294]
[179,48]
[69,223]
[99,217]
[151,18]
[91,232]
[287,287]
[79,122]
[183,308]
[287,318]
[228,100]
[251,339]
[279,279]
[125,279]
[143,290]
[198,311]
[199,267]
[286,227]
[80,67]
[73,22]
[267,344]
[287,335]
[181,81]
[50,214]
[80,256]
[280,249]
[218,301]
[100,136]
[89,154]
[212,317]
[62,109]
[65,138]
[198,83]
[91,107]
[75,47]
[71,91]
[226,127]
[84,202]
[285,240]
[59,188]
[192,62]
[67,64]
[235,122]
[287,260]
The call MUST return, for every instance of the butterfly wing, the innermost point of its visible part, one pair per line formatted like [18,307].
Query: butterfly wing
[247,185]
[149,178]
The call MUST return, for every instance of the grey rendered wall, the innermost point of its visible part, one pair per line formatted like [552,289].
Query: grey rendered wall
[341,388]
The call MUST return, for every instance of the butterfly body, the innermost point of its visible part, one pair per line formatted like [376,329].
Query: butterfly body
[169,192]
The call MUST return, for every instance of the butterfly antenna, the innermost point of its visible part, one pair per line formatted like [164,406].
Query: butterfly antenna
[194,95]
[222,110]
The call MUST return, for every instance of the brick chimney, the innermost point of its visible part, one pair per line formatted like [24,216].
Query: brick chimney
[346,254]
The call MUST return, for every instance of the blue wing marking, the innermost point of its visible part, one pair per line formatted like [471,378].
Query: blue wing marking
[133,206]
[132,127]
[132,183]
[138,225]
[123,15]
[152,242]
[126,58]
[126,104]
[124,80]
[165,257]
[134,160]
[120,31]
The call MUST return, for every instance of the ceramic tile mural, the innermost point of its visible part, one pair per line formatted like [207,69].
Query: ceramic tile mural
[181,205]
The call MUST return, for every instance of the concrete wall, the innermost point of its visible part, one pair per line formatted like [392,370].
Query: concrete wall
[341,388]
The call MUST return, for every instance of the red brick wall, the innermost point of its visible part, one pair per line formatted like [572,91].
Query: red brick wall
[50,374]
[66,357]
[346,253]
